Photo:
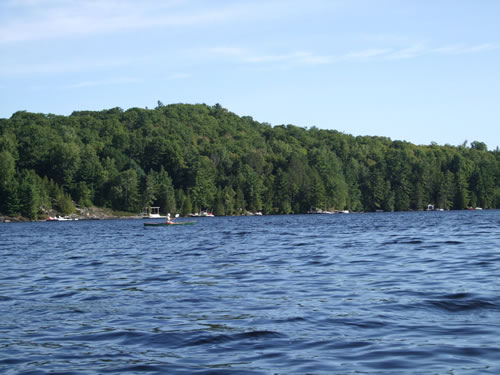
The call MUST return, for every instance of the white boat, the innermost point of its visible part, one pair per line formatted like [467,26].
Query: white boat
[60,218]
[320,211]
[152,213]
[431,207]
[202,214]
[250,213]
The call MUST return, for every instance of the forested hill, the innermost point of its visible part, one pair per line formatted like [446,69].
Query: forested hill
[185,158]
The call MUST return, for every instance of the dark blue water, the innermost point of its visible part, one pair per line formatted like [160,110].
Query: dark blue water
[402,293]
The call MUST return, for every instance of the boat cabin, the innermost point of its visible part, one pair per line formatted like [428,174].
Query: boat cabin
[152,213]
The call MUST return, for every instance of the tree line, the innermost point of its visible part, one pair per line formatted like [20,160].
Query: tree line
[186,158]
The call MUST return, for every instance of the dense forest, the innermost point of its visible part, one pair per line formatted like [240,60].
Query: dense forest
[186,158]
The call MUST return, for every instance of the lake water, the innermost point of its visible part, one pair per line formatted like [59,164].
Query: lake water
[402,293]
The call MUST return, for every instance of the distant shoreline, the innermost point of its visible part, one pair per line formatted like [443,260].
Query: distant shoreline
[97,213]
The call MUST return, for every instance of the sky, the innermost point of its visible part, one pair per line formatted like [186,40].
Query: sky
[421,71]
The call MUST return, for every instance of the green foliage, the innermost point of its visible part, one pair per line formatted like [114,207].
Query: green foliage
[185,158]
[187,205]
[164,192]
[125,192]
[228,199]
[83,195]
[29,195]
[7,178]
[204,189]
[64,204]
[478,146]
[64,160]
[10,199]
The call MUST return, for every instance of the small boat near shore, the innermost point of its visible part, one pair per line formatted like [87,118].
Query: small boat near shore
[202,214]
[60,218]
[152,213]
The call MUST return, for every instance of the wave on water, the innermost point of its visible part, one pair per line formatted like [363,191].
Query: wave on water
[399,293]
[460,302]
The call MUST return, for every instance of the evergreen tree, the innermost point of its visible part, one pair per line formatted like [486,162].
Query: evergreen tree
[229,200]
[283,203]
[165,192]
[124,192]
[29,197]
[11,204]
[187,206]
[7,177]
[204,189]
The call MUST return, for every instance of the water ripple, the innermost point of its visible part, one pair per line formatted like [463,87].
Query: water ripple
[402,293]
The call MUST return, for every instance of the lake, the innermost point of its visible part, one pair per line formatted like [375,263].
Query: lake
[374,293]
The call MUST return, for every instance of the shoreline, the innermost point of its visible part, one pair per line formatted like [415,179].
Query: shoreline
[89,213]
[97,213]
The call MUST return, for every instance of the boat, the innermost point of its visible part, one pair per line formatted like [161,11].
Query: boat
[169,223]
[431,207]
[319,211]
[202,214]
[60,218]
[250,213]
[152,213]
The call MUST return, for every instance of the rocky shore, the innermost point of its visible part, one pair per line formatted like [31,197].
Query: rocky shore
[87,213]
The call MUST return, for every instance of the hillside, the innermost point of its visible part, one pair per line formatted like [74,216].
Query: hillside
[186,158]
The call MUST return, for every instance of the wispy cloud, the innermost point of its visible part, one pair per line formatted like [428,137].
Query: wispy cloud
[420,50]
[106,82]
[65,66]
[31,20]
[246,55]
[408,53]
[249,56]
[366,54]
[415,51]
[461,49]
[45,19]
[309,58]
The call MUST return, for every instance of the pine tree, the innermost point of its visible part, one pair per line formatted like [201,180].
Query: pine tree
[29,196]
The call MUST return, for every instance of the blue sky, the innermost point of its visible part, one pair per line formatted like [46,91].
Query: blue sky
[416,70]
